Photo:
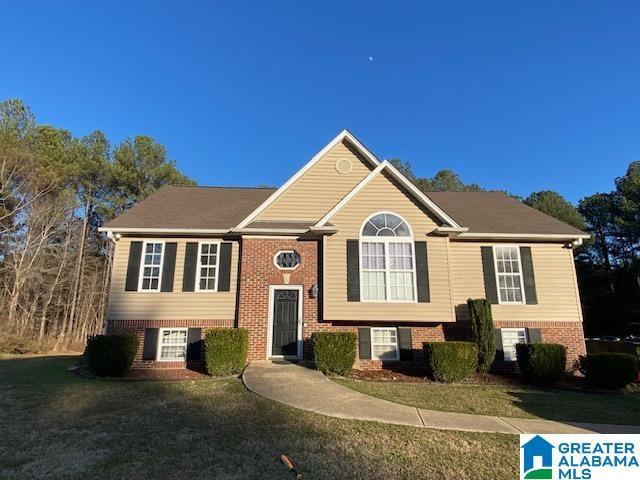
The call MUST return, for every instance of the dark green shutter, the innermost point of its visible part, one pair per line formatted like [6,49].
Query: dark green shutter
[534,335]
[190,265]
[194,344]
[405,344]
[528,277]
[364,343]
[168,266]
[133,267]
[150,347]
[353,270]
[489,270]
[224,281]
[499,350]
[422,272]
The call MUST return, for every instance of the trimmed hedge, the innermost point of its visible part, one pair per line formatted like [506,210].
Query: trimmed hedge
[611,370]
[542,363]
[334,352]
[450,361]
[225,350]
[482,332]
[111,355]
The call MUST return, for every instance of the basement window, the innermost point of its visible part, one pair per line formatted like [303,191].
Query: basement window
[172,344]
[384,343]
[510,338]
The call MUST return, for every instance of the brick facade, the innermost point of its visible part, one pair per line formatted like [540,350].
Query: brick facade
[258,272]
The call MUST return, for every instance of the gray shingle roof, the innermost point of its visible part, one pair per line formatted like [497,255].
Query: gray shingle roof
[225,207]
[193,207]
[496,212]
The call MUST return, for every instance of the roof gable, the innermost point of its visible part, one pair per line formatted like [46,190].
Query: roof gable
[318,185]
[402,183]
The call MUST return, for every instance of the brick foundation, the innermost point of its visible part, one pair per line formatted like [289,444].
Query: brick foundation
[569,334]
[136,327]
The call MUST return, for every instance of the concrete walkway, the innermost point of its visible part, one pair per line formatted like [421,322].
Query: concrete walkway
[310,390]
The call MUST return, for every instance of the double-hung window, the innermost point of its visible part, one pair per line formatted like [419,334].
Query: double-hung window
[172,344]
[508,274]
[510,338]
[384,343]
[151,267]
[208,255]
[387,260]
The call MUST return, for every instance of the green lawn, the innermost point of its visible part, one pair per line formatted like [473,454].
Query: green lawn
[508,401]
[56,425]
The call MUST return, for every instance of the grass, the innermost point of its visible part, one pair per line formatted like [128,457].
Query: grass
[56,425]
[508,401]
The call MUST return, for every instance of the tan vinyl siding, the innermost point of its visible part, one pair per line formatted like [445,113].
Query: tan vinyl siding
[319,188]
[556,286]
[176,305]
[384,195]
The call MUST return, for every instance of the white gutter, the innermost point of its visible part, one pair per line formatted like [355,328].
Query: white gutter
[164,230]
[524,236]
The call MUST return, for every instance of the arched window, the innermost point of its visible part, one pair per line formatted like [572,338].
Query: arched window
[386,259]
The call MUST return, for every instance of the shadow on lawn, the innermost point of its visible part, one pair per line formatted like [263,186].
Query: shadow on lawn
[570,406]
[59,425]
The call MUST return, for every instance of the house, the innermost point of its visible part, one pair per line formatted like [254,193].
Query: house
[346,244]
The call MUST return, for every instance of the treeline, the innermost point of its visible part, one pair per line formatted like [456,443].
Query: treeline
[55,191]
[608,266]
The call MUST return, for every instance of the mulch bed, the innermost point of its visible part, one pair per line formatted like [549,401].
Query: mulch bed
[420,376]
[574,382]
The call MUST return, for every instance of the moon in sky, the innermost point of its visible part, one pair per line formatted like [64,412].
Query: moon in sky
[371,59]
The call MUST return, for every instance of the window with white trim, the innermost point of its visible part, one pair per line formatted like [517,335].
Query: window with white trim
[384,343]
[386,259]
[510,338]
[207,267]
[173,344]
[151,266]
[508,274]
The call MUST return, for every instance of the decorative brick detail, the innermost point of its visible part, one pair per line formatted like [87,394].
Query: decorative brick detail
[115,324]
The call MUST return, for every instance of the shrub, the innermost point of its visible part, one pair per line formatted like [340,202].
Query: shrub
[450,361]
[541,363]
[611,370]
[111,355]
[334,352]
[225,350]
[482,332]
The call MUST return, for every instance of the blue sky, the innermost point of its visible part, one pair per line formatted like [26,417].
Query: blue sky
[512,95]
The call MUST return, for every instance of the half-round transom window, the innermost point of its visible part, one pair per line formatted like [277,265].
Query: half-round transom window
[386,225]
[287,259]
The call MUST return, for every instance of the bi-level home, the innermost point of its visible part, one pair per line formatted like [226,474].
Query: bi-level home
[346,244]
